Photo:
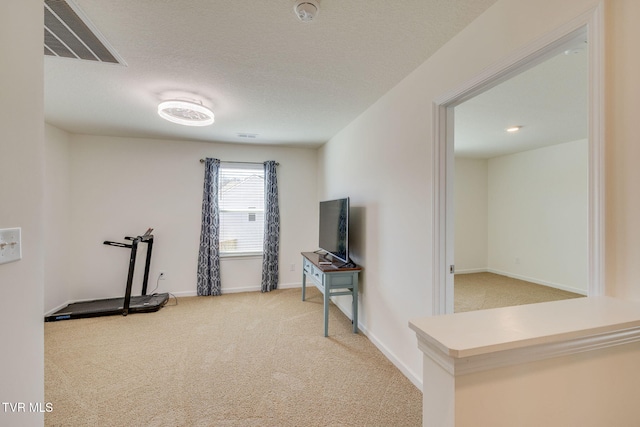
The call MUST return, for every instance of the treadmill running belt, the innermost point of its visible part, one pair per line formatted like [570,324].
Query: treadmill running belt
[102,307]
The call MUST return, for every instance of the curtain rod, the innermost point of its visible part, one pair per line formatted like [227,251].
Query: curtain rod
[250,163]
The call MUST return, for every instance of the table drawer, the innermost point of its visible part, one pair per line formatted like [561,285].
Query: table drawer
[313,273]
[346,280]
[307,266]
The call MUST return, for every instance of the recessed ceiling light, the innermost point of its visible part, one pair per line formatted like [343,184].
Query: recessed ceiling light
[186,113]
[512,129]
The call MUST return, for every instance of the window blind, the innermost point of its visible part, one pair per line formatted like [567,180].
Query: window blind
[241,202]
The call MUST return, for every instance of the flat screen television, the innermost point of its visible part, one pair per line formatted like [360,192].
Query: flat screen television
[334,228]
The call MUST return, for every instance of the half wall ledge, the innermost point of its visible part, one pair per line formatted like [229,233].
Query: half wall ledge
[571,362]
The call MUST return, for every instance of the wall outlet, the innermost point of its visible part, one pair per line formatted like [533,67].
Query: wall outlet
[292,267]
[10,245]
[162,275]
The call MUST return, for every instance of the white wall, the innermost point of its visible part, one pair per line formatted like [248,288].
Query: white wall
[589,389]
[538,215]
[122,186]
[525,215]
[21,205]
[383,160]
[471,210]
[57,209]
[622,152]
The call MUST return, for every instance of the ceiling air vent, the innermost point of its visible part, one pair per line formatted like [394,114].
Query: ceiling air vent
[69,34]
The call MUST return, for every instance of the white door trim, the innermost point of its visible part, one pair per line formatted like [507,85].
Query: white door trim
[591,24]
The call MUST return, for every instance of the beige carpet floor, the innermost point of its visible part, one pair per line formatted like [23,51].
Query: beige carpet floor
[479,291]
[248,359]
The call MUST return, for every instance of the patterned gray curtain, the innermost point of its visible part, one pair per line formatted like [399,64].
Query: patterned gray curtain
[271,228]
[209,256]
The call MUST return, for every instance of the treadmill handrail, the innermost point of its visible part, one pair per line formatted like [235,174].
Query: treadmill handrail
[142,238]
[121,245]
[132,266]
[148,239]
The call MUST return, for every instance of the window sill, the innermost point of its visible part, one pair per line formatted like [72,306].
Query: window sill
[240,255]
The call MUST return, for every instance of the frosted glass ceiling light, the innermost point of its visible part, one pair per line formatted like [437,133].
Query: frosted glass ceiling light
[513,129]
[185,113]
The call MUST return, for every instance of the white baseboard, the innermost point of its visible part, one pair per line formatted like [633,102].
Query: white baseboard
[290,285]
[258,288]
[255,288]
[526,279]
[184,294]
[412,376]
[471,271]
[60,307]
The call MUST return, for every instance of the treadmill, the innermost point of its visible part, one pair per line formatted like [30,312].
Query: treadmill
[128,304]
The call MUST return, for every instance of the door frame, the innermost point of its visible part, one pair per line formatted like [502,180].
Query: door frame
[589,24]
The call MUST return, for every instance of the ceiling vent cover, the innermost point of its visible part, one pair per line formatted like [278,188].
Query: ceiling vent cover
[70,34]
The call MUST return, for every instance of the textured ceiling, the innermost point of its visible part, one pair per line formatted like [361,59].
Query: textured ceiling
[261,70]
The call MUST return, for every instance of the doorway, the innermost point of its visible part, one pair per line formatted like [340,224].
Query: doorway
[521,187]
[564,40]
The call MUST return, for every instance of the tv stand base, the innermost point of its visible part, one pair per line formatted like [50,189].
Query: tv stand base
[332,280]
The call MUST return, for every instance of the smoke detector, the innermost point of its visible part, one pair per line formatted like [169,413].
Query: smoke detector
[306,10]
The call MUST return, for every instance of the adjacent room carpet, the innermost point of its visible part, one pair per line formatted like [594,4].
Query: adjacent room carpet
[479,291]
[246,359]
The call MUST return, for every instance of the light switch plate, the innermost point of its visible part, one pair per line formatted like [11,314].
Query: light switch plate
[10,245]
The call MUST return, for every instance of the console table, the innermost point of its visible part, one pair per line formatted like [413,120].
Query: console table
[331,280]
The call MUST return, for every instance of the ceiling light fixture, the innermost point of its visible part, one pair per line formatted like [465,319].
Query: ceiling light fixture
[186,113]
[513,129]
[307,10]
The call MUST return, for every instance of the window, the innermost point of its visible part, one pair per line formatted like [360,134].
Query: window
[241,201]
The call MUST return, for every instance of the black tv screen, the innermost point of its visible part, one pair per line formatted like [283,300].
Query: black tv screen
[334,228]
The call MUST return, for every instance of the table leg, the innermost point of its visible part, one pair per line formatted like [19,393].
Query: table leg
[326,311]
[355,307]
[304,279]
